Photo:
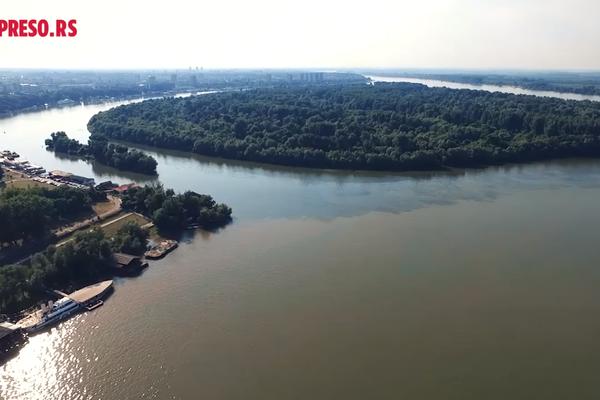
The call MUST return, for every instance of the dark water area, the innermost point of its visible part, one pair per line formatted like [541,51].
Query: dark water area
[478,284]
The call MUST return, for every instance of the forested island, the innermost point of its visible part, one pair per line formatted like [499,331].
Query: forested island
[385,126]
[99,149]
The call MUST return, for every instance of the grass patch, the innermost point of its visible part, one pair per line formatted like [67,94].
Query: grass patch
[111,227]
[27,184]
[18,180]
[103,207]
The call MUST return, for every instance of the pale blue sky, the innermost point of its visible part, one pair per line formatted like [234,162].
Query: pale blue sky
[525,34]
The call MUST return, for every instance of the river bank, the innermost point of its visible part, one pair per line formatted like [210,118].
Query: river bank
[486,87]
[339,284]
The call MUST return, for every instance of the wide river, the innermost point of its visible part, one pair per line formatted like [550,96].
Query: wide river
[486,87]
[478,284]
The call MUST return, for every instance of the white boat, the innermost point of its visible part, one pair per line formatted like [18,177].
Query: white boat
[87,298]
[49,314]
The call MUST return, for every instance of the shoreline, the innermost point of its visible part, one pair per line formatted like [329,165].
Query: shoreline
[452,170]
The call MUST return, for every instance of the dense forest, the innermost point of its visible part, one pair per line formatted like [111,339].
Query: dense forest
[386,126]
[99,149]
[83,260]
[172,212]
[30,213]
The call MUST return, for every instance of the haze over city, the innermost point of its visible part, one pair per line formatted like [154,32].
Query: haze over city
[505,34]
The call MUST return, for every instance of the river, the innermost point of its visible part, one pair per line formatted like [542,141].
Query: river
[478,284]
[486,87]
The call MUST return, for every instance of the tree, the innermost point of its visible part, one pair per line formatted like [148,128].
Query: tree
[171,211]
[99,149]
[131,239]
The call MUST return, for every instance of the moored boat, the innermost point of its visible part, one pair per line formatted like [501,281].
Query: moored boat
[49,314]
[88,298]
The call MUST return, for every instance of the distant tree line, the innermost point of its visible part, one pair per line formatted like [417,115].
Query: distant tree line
[17,101]
[172,212]
[99,149]
[386,126]
[34,90]
[586,83]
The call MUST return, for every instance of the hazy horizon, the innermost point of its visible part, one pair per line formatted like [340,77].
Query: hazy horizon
[512,35]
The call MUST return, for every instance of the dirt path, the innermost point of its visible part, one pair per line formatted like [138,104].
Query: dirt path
[113,210]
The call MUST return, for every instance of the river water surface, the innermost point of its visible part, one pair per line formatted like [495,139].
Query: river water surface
[487,88]
[481,284]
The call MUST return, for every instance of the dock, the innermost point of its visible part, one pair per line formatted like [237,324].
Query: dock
[91,296]
[88,298]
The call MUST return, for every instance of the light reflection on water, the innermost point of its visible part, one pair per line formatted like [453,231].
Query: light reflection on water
[52,355]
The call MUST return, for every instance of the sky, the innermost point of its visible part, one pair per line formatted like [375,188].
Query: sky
[469,34]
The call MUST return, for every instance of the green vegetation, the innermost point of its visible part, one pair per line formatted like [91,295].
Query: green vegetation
[77,262]
[30,213]
[98,148]
[29,90]
[387,126]
[130,239]
[172,212]
[23,101]
[111,227]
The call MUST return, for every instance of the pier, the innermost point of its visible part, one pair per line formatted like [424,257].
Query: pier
[91,296]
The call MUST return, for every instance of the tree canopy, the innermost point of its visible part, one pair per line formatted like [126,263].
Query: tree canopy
[30,213]
[81,260]
[130,239]
[172,212]
[386,126]
[98,148]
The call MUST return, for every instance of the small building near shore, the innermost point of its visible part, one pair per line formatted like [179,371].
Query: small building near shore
[125,187]
[128,264]
[60,174]
[107,185]
[81,180]
[69,177]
